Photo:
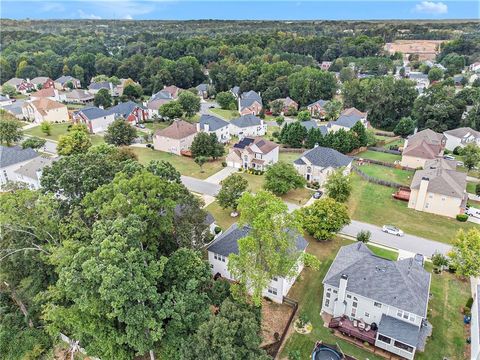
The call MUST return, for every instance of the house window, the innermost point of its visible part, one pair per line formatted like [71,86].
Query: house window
[353,313]
[328,295]
[272,290]
[275,279]
[406,315]
[403,346]
[354,304]
[335,291]
[377,304]
[412,318]
[354,298]
[219,257]
[399,313]
[327,303]
[367,314]
[384,339]
[349,296]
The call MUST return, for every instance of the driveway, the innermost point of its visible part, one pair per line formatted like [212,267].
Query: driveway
[410,243]
[49,147]
[205,106]
[200,186]
[221,175]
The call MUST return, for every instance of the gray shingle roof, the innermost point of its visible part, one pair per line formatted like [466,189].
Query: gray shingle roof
[37,164]
[92,112]
[248,98]
[246,121]
[319,102]
[124,109]
[348,121]
[310,124]
[100,85]
[227,244]
[235,90]
[15,154]
[399,330]
[324,157]
[162,94]
[65,78]
[403,284]
[202,87]
[462,132]
[214,123]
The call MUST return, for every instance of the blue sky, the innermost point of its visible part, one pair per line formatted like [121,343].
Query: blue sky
[234,9]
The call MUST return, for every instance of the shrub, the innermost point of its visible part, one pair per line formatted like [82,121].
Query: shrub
[469,303]
[294,355]
[457,150]
[217,230]
[224,163]
[462,217]
[364,236]
[279,120]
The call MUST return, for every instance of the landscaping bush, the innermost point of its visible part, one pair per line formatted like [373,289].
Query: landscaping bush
[469,303]
[294,355]
[364,236]
[457,150]
[224,164]
[279,120]
[217,230]
[462,217]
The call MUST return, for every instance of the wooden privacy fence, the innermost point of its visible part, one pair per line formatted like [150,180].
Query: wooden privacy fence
[383,150]
[376,180]
[383,163]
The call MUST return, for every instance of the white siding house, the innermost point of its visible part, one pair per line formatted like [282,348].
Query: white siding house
[11,159]
[247,125]
[214,125]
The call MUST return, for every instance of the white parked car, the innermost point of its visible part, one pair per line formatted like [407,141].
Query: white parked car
[390,229]
[448,157]
[471,211]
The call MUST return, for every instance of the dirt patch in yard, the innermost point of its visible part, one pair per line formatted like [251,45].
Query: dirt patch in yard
[274,320]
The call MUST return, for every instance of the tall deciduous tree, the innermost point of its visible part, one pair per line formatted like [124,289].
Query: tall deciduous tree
[103,98]
[165,170]
[269,250]
[171,110]
[405,127]
[338,186]
[471,155]
[120,133]
[333,109]
[77,141]
[232,189]
[10,131]
[207,145]
[309,85]
[225,99]
[465,255]
[324,218]
[189,102]
[282,177]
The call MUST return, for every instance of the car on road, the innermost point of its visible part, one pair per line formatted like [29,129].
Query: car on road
[471,211]
[393,230]
[460,163]
[317,194]
[448,157]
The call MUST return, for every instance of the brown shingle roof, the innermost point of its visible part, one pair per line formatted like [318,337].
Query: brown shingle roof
[265,146]
[49,92]
[44,104]
[426,144]
[353,111]
[178,130]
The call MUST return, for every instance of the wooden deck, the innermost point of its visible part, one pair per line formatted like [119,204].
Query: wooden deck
[345,326]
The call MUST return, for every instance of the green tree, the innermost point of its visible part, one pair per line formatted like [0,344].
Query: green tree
[133,91]
[309,85]
[9,90]
[75,142]
[276,107]
[304,115]
[232,189]
[333,109]
[10,131]
[120,133]
[269,249]
[471,155]
[454,63]
[171,110]
[33,143]
[46,128]
[435,74]
[405,127]
[103,98]
[165,170]
[465,255]
[361,135]
[232,334]
[206,145]
[364,236]
[282,177]
[200,161]
[324,218]
[189,102]
[225,99]
[293,135]
[347,74]
[338,186]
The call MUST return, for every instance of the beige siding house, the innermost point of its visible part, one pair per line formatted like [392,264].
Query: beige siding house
[45,110]
[317,164]
[439,189]
[421,147]
[256,153]
[347,119]
[175,138]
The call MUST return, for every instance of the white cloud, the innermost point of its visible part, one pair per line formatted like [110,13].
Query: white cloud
[83,15]
[128,17]
[52,6]
[431,7]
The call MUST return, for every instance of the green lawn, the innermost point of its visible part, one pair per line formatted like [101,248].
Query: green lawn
[289,157]
[398,142]
[376,155]
[308,291]
[471,187]
[270,130]
[185,165]
[225,114]
[154,126]
[449,295]
[374,204]
[399,176]
[385,253]
[57,131]
[222,217]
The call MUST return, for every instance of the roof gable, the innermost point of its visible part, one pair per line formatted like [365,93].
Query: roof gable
[11,155]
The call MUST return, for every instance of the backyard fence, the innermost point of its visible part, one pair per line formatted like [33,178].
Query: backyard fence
[383,163]
[376,180]
[384,133]
[383,150]
[274,348]
[292,150]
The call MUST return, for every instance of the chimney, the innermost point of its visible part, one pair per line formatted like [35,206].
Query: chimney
[342,288]
[422,194]
[100,106]
[316,145]
[206,127]
[198,127]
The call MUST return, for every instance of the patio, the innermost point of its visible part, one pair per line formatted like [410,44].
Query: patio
[354,328]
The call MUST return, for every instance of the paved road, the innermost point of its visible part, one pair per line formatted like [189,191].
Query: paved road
[411,243]
[221,175]
[200,186]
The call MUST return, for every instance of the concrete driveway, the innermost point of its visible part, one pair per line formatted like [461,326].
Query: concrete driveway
[200,186]
[410,243]
[221,175]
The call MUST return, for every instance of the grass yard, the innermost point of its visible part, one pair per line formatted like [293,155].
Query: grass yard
[376,155]
[398,142]
[154,126]
[399,176]
[222,217]
[308,291]
[385,253]
[471,187]
[185,165]
[449,295]
[271,130]
[289,157]
[57,131]
[225,114]
[374,204]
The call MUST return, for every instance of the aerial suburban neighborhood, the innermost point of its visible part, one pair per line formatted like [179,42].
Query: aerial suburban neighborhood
[240,189]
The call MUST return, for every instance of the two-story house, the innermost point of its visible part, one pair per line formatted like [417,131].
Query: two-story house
[12,158]
[422,146]
[317,109]
[247,125]
[130,111]
[256,153]
[316,164]
[95,87]
[31,172]
[21,85]
[65,82]
[227,243]
[158,99]
[176,138]
[347,119]
[49,93]
[461,137]
[45,109]
[214,125]
[288,105]
[42,82]
[380,301]
[96,119]
[250,103]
